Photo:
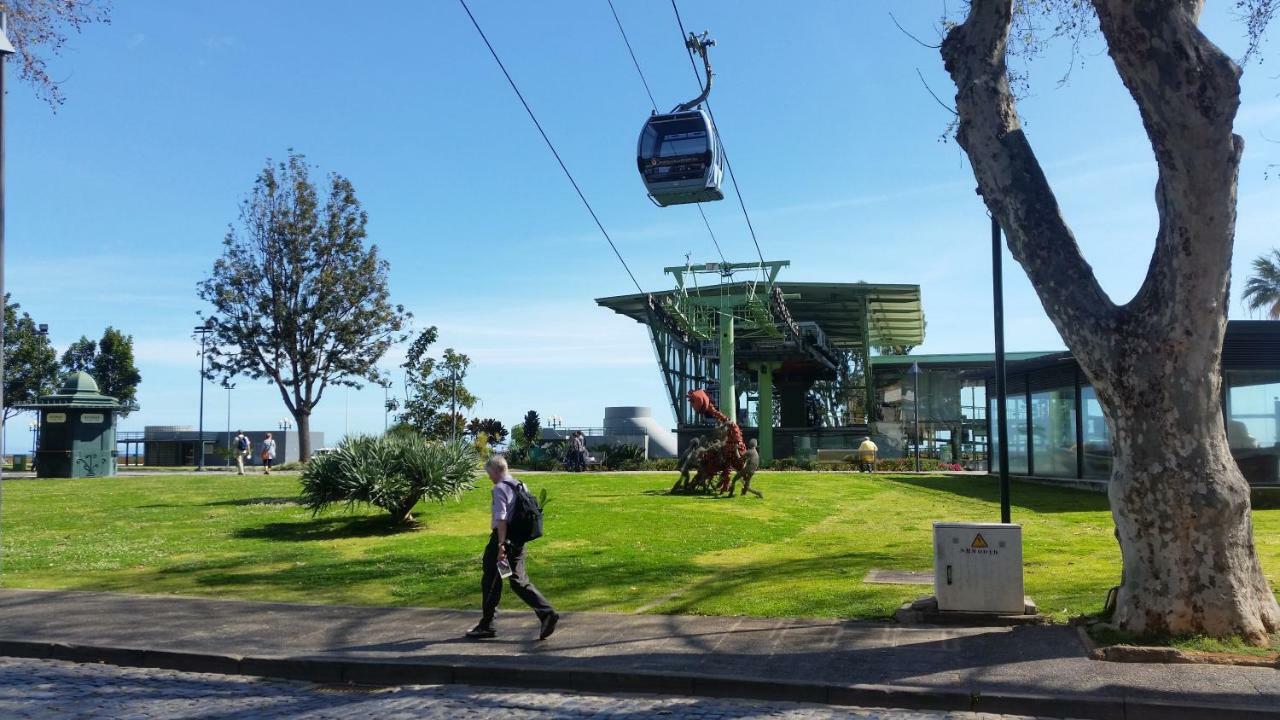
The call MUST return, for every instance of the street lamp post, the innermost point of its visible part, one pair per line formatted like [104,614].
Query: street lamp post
[1002,414]
[229,386]
[453,403]
[6,49]
[915,393]
[203,331]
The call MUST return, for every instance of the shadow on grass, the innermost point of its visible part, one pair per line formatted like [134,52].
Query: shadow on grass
[330,528]
[1029,496]
[257,501]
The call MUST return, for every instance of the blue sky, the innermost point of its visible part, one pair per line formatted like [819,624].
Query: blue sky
[118,202]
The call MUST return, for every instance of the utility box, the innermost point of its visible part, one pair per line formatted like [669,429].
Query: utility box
[77,434]
[978,567]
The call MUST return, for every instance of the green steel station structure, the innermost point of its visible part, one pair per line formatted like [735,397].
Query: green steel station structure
[738,331]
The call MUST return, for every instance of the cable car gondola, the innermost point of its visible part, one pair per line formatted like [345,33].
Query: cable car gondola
[679,154]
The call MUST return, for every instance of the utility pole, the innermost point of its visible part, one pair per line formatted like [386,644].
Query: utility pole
[6,49]
[203,331]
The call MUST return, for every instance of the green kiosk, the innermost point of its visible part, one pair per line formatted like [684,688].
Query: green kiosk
[77,430]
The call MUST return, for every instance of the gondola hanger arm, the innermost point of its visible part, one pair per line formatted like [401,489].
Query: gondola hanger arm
[699,44]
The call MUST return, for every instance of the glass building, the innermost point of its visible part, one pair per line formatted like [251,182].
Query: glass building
[1057,429]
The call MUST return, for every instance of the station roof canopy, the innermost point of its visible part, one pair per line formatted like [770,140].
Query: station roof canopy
[892,313]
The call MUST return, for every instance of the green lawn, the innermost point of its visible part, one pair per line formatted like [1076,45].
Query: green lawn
[614,543]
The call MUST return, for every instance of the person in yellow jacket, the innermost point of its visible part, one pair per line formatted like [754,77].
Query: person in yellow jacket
[867,455]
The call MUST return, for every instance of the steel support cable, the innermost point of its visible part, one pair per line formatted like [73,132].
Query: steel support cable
[737,190]
[654,103]
[634,61]
[551,146]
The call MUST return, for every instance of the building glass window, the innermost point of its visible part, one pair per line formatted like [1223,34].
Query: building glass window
[1016,406]
[1053,432]
[1253,423]
[1097,440]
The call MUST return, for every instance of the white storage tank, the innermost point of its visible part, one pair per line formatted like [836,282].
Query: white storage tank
[978,567]
[632,423]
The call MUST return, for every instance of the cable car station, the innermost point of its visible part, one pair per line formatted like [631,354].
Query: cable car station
[781,339]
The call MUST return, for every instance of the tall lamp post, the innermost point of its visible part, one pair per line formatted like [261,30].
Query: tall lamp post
[1002,414]
[6,49]
[229,386]
[915,394]
[203,331]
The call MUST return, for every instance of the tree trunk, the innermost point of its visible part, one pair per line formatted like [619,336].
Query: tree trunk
[1182,513]
[1180,503]
[403,513]
[303,420]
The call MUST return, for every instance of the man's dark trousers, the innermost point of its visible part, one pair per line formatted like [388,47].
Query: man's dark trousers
[491,583]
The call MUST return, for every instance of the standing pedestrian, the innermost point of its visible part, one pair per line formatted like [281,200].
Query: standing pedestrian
[268,454]
[578,451]
[504,559]
[243,446]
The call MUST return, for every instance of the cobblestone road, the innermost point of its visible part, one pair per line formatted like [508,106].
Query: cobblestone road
[55,689]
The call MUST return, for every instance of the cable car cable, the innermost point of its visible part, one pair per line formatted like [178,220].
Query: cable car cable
[550,145]
[654,103]
[711,233]
[729,165]
[634,61]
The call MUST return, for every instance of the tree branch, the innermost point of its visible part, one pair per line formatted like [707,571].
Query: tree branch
[1011,180]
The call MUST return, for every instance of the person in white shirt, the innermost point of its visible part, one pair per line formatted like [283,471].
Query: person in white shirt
[499,550]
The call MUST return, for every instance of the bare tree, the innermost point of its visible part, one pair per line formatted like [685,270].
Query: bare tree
[38,29]
[1180,503]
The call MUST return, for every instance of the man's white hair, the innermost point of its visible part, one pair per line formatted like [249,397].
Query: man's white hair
[496,462]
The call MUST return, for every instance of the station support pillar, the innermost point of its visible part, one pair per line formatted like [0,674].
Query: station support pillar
[728,393]
[764,427]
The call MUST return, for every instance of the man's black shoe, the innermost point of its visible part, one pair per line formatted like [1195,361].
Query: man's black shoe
[481,632]
[549,624]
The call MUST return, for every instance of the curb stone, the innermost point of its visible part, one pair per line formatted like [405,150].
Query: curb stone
[330,671]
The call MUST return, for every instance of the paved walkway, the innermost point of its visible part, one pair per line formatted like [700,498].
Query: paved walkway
[1030,670]
[52,688]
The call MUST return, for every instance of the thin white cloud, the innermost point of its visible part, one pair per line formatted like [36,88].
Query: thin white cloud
[135,40]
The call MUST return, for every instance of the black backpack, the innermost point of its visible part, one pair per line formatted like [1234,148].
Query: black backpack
[525,524]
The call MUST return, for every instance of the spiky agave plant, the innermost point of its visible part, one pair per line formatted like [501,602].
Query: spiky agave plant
[392,472]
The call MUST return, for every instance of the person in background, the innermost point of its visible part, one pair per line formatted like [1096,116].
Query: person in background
[511,557]
[578,451]
[268,454]
[867,455]
[242,446]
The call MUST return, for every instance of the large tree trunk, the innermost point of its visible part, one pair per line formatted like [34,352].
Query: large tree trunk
[1180,504]
[303,420]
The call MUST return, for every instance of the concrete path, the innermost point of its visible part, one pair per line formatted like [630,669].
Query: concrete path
[1031,670]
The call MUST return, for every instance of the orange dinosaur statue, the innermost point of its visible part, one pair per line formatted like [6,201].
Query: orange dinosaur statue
[719,458]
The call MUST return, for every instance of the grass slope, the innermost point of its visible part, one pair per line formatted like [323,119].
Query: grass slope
[614,543]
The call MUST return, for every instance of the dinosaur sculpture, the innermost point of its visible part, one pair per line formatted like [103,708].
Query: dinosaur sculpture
[723,452]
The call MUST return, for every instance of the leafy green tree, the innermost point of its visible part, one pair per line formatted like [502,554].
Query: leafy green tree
[298,298]
[531,427]
[1262,289]
[110,362]
[493,428]
[436,389]
[30,362]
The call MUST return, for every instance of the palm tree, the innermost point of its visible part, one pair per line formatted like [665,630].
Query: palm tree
[1262,289]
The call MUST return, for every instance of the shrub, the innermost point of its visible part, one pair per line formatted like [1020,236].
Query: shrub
[389,472]
[622,456]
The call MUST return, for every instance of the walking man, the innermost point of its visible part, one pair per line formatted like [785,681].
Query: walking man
[268,454]
[505,559]
[867,455]
[243,446]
